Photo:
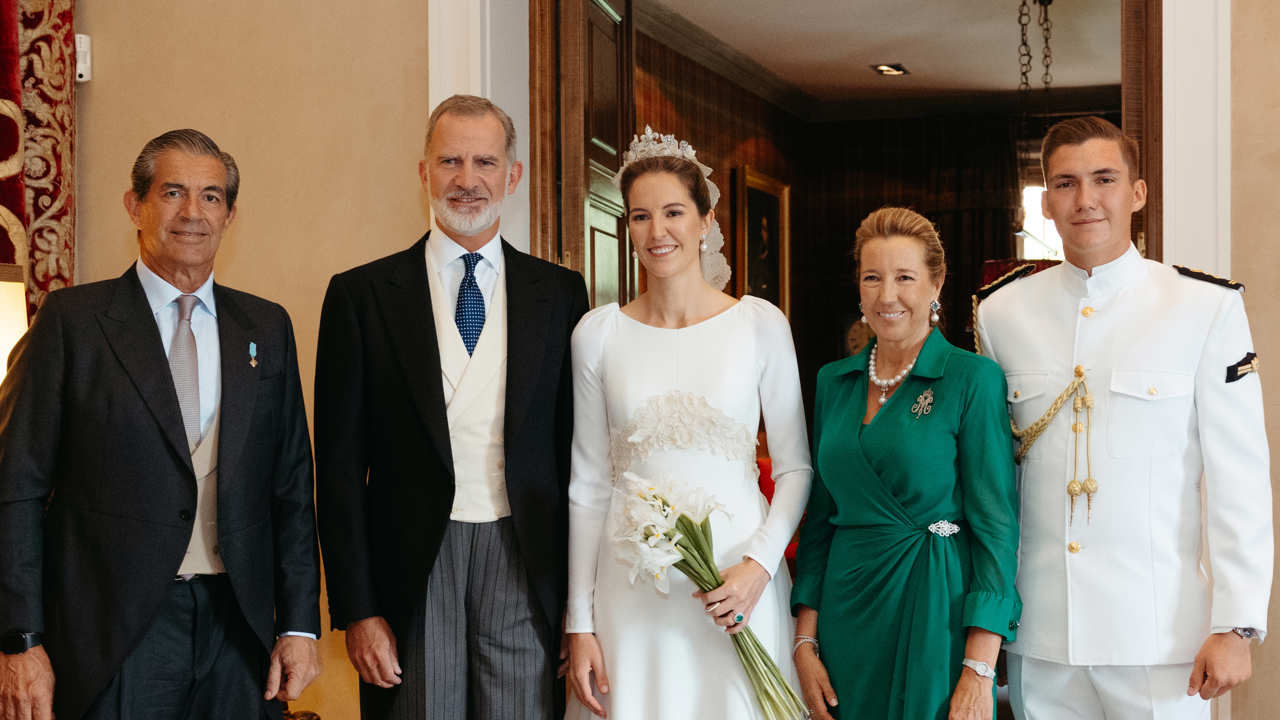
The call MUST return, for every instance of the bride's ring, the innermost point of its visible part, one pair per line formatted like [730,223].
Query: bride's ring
[712,607]
[738,618]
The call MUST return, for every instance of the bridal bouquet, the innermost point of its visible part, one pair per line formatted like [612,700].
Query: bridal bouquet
[670,526]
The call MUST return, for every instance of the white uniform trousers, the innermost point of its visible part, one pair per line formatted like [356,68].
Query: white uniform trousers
[1043,690]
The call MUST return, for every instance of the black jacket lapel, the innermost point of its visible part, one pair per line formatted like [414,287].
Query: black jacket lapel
[130,329]
[528,312]
[239,379]
[406,302]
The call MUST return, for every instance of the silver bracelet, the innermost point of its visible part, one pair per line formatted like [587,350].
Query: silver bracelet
[802,640]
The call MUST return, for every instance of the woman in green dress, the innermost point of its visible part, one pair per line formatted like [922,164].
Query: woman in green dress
[904,584]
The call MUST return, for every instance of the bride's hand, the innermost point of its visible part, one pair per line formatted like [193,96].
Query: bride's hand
[738,595]
[585,657]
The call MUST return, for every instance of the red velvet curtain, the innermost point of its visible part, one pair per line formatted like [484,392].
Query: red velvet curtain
[47,70]
[37,131]
[13,211]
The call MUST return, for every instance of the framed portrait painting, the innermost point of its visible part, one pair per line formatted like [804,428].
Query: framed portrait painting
[762,237]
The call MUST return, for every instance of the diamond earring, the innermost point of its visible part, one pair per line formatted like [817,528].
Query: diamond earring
[934,307]
[862,319]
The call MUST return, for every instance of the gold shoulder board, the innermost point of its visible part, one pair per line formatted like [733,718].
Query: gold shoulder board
[1202,275]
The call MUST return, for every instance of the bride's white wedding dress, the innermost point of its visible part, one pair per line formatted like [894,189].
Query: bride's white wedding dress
[685,404]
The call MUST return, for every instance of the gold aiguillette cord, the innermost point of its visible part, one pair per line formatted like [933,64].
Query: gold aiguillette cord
[1081,401]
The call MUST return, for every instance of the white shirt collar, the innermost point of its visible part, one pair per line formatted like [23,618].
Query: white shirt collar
[160,293]
[445,250]
[1109,277]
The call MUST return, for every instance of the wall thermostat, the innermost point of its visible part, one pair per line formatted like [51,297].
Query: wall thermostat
[84,58]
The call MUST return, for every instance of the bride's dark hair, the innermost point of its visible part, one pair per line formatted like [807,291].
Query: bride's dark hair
[685,171]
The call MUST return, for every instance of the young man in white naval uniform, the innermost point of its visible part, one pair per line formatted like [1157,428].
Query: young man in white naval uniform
[1146,550]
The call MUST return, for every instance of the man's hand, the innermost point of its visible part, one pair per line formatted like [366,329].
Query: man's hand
[26,686]
[295,662]
[1222,663]
[372,648]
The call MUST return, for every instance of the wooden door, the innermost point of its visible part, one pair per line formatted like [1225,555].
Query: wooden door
[595,121]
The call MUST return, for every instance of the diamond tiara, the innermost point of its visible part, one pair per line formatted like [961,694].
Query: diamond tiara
[651,144]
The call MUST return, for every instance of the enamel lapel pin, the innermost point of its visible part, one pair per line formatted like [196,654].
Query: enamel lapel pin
[253,354]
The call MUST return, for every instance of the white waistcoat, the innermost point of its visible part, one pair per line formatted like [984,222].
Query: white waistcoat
[202,556]
[475,390]
[1132,582]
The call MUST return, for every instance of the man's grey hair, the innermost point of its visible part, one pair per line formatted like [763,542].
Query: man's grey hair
[471,106]
[189,141]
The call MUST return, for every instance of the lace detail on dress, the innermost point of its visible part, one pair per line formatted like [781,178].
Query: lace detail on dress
[679,421]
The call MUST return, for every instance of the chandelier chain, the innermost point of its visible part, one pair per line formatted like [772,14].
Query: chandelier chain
[1024,49]
[1046,57]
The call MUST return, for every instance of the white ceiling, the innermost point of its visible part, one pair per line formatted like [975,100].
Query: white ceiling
[826,47]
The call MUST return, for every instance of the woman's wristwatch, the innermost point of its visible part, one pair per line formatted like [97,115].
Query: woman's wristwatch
[979,667]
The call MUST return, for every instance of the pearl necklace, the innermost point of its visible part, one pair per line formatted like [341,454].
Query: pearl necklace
[884,385]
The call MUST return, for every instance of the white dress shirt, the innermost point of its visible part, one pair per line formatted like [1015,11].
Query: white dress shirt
[163,299]
[447,255]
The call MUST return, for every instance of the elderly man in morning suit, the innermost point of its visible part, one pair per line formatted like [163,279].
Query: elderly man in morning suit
[443,425]
[1126,612]
[157,533]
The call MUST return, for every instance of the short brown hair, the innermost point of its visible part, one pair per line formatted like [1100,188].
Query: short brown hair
[685,171]
[1078,131]
[471,106]
[899,221]
[192,142]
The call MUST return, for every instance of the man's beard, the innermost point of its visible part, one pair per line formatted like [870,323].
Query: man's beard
[466,223]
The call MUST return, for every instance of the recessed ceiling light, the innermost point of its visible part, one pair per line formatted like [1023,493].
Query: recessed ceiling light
[891,69]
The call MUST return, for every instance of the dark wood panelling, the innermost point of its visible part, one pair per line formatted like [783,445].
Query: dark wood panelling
[727,125]
[543,171]
[1142,86]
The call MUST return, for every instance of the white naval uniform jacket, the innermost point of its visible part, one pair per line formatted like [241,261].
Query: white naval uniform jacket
[1142,586]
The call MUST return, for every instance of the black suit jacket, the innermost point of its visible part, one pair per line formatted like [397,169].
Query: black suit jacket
[384,464]
[97,490]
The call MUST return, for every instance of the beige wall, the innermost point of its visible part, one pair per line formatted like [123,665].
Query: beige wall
[323,105]
[1255,261]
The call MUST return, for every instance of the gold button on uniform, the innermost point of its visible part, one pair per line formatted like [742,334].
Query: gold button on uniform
[1073,546]
[1087,311]
[1152,391]
[1017,394]
[1079,371]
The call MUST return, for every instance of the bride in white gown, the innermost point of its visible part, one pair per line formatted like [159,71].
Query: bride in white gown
[674,385]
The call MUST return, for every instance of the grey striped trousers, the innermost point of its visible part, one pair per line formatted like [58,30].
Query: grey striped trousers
[475,649]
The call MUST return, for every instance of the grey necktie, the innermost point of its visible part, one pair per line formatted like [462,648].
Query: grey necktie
[184,366]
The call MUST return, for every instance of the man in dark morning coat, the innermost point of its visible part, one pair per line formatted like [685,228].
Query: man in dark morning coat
[443,420]
[157,533]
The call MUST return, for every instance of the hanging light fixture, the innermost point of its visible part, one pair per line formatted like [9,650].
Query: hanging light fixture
[1024,48]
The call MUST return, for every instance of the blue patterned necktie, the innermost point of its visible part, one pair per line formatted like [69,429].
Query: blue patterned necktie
[469,314]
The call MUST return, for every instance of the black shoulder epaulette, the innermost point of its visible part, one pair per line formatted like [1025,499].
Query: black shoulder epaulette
[1202,275]
[1019,272]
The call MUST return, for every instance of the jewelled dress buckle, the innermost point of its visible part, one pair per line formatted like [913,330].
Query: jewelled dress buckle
[943,528]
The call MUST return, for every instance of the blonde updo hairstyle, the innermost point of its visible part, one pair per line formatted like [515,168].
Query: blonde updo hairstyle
[889,222]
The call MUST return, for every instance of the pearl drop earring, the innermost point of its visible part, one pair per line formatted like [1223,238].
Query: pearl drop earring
[635,254]
[703,245]
[862,319]
[934,306]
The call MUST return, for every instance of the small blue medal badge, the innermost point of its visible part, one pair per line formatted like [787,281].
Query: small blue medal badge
[253,354]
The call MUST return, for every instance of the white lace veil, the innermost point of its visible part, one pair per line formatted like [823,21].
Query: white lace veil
[715,268]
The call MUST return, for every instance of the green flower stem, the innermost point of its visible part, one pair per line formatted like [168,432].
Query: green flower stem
[774,694]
